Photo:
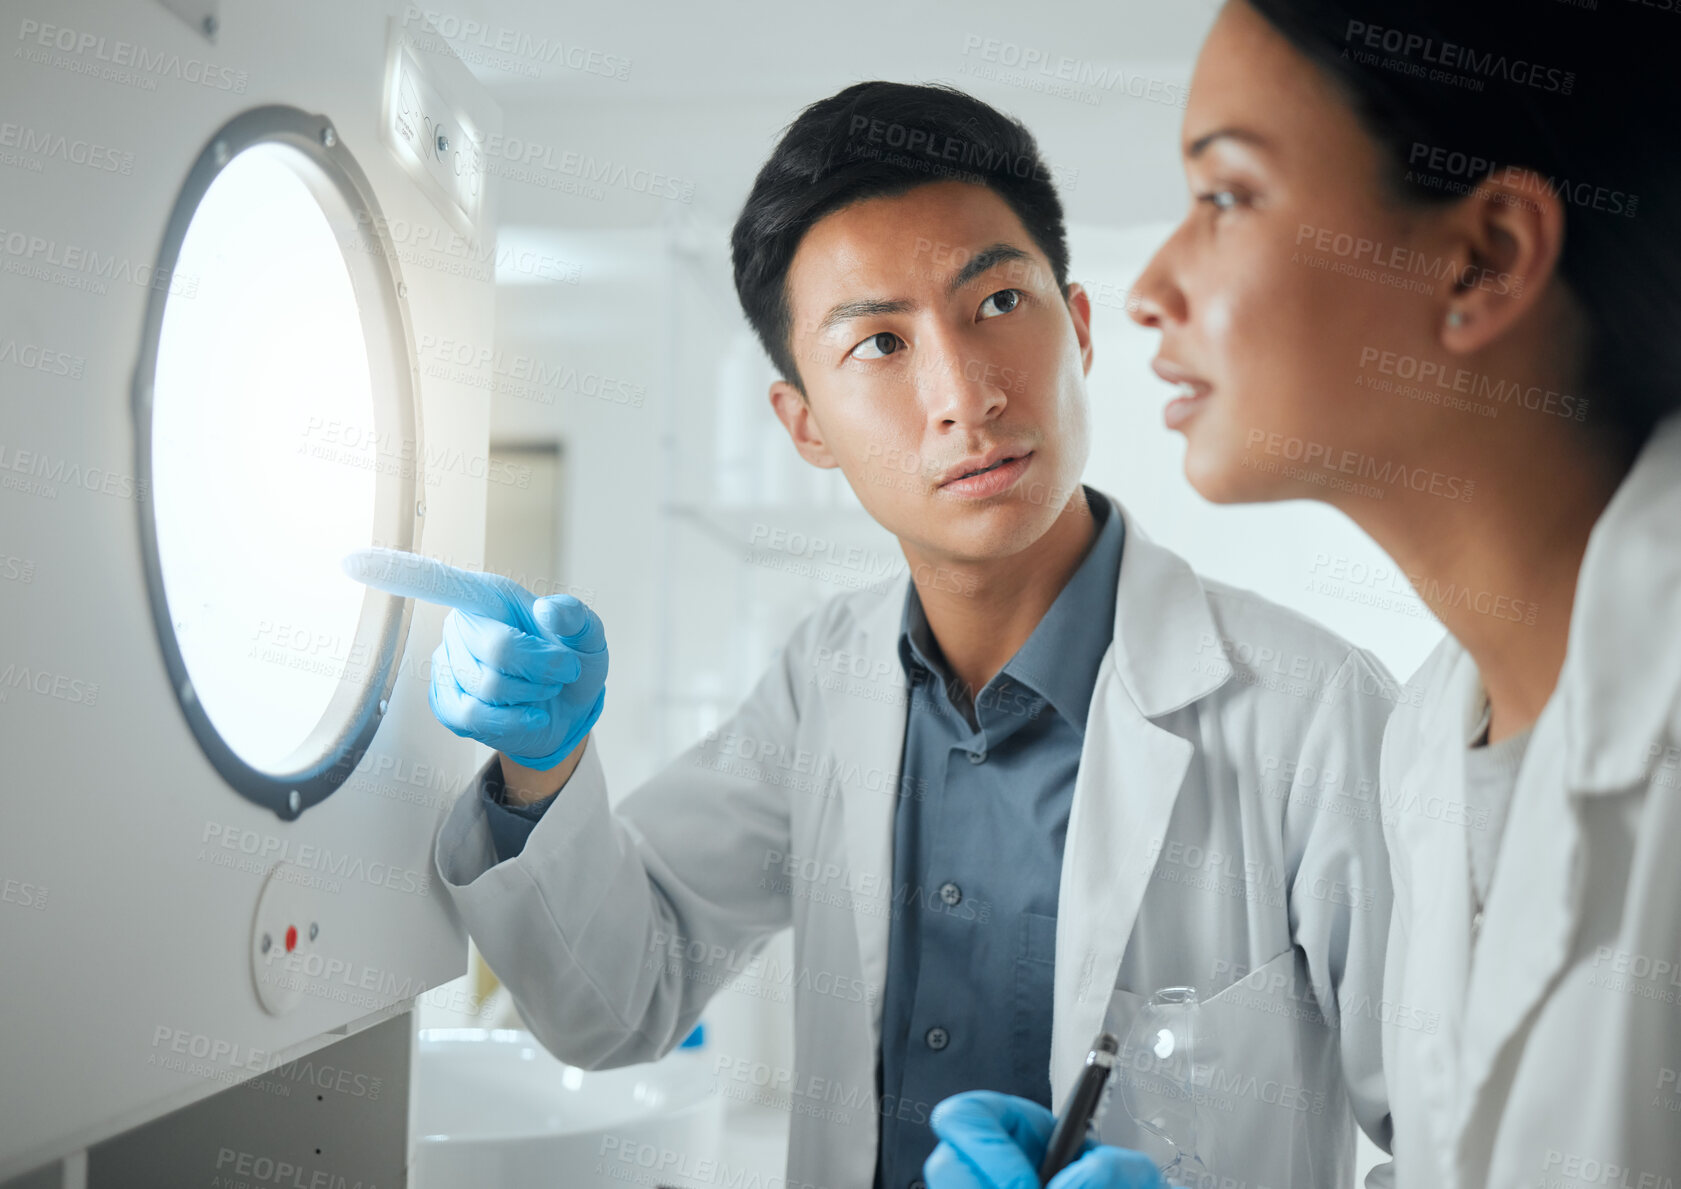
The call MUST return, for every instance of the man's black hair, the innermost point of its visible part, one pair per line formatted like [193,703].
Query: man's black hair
[879,140]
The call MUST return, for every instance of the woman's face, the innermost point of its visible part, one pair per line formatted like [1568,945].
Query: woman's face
[1293,293]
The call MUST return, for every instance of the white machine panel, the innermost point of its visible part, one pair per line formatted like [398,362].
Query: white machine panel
[138,885]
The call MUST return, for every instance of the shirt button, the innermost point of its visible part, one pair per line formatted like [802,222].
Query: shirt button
[951,894]
[977,757]
[919,1183]
[937,1038]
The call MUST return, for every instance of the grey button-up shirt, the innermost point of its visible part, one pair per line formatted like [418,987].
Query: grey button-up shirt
[977,862]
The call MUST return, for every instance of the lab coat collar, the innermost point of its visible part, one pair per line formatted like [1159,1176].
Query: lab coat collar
[1621,679]
[1167,650]
[1166,646]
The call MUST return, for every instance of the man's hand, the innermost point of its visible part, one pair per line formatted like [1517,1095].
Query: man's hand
[996,1141]
[524,675]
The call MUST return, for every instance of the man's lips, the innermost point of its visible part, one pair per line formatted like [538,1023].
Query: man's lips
[989,478]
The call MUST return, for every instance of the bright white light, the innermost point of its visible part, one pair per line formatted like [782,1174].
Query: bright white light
[264,456]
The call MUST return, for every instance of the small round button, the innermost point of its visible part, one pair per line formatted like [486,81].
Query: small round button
[977,757]
[919,1183]
[937,1038]
[951,894]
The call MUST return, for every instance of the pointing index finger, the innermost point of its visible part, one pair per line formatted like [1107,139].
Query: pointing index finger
[411,576]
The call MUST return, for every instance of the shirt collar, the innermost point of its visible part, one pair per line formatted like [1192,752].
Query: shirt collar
[1061,659]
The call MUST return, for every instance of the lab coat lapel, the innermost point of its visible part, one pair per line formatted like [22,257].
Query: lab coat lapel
[1425,815]
[1530,918]
[1166,653]
[1130,774]
[868,734]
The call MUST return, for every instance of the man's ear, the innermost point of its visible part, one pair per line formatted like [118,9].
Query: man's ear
[794,411]
[1079,309]
[1507,237]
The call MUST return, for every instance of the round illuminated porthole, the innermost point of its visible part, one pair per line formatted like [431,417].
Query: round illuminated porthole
[276,430]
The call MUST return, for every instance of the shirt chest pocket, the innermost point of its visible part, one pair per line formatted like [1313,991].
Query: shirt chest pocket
[1260,1098]
[1030,1028]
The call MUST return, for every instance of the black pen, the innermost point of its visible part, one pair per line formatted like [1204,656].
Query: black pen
[1069,1135]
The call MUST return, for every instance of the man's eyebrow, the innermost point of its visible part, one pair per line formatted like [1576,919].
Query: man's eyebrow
[865,308]
[983,261]
[1196,147]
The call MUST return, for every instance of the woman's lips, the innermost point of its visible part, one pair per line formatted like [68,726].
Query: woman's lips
[1183,407]
[990,483]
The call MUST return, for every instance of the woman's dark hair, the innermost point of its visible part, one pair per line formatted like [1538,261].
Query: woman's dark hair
[877,140]
[1581,92]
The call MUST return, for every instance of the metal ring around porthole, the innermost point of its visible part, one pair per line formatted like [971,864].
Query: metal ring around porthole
[328,753]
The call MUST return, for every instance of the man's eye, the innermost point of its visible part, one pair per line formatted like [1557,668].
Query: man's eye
[1001,302]
[877,346]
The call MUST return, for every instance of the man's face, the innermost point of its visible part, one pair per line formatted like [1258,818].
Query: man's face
[944,372]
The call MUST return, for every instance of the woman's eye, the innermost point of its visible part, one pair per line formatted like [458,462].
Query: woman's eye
[1001,302]
[877,346]
[1221,200]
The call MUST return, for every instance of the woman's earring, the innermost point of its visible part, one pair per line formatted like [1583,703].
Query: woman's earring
[1456,319]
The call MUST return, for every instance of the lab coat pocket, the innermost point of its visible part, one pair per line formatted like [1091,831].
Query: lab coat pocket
[1030,1037]
[1259,1101]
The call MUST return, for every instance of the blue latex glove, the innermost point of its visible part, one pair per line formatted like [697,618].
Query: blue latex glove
[996,1141]
[524,675]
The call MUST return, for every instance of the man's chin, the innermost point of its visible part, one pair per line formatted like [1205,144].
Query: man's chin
[990,531]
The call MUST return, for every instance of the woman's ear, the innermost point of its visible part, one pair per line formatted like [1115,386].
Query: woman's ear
[1507,237]
[794,411]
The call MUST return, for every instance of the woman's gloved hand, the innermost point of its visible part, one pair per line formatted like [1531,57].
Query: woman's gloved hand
[996,1141]
[524,675]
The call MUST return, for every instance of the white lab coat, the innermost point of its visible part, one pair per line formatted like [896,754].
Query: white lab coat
[1224,832]
[1550,1057]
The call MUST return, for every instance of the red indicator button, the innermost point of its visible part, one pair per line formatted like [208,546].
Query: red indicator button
[291,938]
